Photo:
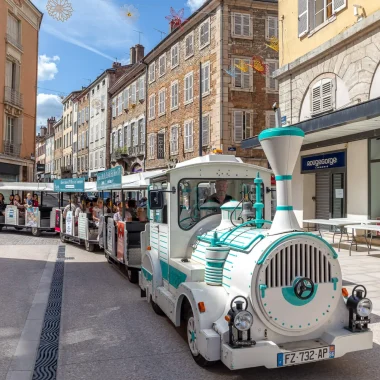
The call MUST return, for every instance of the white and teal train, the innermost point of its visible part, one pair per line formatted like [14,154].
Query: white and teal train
[248,291]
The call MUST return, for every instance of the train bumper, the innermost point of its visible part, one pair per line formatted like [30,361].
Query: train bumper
[270,355]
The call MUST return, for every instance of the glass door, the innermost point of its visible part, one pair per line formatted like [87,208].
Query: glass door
[337,209]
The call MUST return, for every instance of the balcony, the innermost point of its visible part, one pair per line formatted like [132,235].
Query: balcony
[11,149]
[138,150]
[66,169]
[14,41]
[13,97]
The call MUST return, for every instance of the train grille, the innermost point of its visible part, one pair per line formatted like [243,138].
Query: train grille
[297,260]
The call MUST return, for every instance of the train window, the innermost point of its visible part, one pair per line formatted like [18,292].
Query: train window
[200,198]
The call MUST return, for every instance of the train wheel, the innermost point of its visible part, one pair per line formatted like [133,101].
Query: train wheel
[89,247]
[156,308]
[133,275]
[36,231]
[19,228]
[191,332]
[62,236]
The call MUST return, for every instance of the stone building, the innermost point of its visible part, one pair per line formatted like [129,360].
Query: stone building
[329,81]
[127,138]
[83,100]
[58,149]
[221,36]
[19,32]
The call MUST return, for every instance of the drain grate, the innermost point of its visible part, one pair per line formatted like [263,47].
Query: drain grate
[47,355]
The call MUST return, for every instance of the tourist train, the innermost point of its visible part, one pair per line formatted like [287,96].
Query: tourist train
[247,290]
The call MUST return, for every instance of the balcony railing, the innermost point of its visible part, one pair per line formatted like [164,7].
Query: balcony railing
[13,97]
[67,168]
[137,150]
[14,41]
[11,149]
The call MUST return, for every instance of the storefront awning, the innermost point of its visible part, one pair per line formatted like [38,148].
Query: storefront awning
[361,121]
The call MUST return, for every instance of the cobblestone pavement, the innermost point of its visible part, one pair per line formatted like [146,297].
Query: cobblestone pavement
[11,237]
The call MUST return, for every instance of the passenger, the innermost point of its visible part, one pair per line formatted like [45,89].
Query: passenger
[132,209]
[89,207]
[143,202]
[35,200]
[19,205]
[118,217]
[220,196]
[2,204]
[98,211]
[141,214]
[29,203]
[11,200]
[72,206]
[108,205]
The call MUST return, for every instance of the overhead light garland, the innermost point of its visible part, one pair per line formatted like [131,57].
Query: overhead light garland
[273,43]
[258,64]
[242,66]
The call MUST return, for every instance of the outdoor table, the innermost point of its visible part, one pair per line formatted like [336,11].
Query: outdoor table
[366,228]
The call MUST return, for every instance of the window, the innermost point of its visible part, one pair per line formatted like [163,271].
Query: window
[174,56]
[9,132]
[311,14]
[125,135]
[135,134]
[189,45]
[241,25]
[104,82]
[114,108]
[152,72]
[91,135]
[13,30]
[86,136]
[152,145]
[141,83]
[103,102]
[162,64]
[87,113]
[126,98]
[161,102]
[91,157]
[204,34]
[96,160]
[174,96]
[121,103]
[101,157]
[12,75]
[141,123]
[189,81]
[120,138]
[133,93]
[189,136]
[206,78]
[322,96]
[271,83]
[174,139]
[152,106]
[271,27]
[270,119]
[205,130]
[129,136]
[242,125]
[97,132]
[242,79]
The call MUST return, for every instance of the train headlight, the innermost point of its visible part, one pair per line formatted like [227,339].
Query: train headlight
[360,309]
[243,320]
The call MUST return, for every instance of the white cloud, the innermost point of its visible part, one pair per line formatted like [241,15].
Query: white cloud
[47,67]
[194,4]
[95,26]
[48,105]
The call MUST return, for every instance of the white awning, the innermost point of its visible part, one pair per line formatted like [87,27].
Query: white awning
[26,186]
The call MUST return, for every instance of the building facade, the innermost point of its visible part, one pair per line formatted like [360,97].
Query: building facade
[220,41]
[75,136]
[128,126]
[329,81]
[19,32]
[83,124]
[58,149]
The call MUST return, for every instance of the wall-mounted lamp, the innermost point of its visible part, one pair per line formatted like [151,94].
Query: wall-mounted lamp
[356,12]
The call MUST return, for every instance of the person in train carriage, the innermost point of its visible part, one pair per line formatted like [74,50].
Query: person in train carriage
[35,200]
[98,211]
[2,204]
[72,206]
[11,200]
[118,216]
[132,209]
[19,205]
[220,196]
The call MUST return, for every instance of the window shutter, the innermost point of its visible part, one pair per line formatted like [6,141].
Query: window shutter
[142,131]
[303,17]
[246,77]
[238,24]
[133,90]
[129,136]
[238,76]
[246,21]
[205,130]
[191,82]
[191,141]
[248,125]
[142,89]
[238,126]
[271,82]
[339,5]
[272,28]
[272,120]
[316,98]
[326,89]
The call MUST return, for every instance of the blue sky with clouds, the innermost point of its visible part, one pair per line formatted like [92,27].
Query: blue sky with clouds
[73,52]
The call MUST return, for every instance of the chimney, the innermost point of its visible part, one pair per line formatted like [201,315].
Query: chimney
[132,55]
[282,146]
[115,65]
[139,53]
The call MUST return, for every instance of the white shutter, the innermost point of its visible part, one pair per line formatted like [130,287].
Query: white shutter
[129,136]
[191,141]
[272,27]
[133,90]
[271,83]
[205,130]
[339,5]
[8,74]
[141,131]
[238,126]
[113,108]
[135,131]
[248,125]
[303,17]
[327,100]
[246,77]
[316,98]
[246,20]
[237,24]
[238,76]
[142,89]
[205,78]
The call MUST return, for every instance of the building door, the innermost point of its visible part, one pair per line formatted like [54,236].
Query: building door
[322,201]
[337,195]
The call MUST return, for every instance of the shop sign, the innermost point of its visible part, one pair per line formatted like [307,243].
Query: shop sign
[232,149]
[69,185]
[109,179]
[40,167]
[323,161]
[160,146]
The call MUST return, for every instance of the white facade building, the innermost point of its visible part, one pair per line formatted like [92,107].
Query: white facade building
[75,138]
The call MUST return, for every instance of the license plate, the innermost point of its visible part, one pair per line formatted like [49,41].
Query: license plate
[305,356]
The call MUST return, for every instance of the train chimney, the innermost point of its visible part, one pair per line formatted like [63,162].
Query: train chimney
[282,146]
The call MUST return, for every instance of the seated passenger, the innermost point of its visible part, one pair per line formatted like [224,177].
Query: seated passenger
[2,204]
[35,200]
[132,209]
[98,211]
[72,206]
[118,216]
[220,196]
[19,205]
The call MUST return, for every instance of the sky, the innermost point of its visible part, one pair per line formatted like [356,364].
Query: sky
[73,52]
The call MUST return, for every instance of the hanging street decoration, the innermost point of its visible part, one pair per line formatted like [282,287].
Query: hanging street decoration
[273,43]
[231,71]
[176,18]
[61,10]
[242,66]
[258,64]
[130,12]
